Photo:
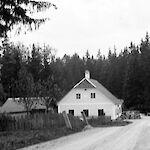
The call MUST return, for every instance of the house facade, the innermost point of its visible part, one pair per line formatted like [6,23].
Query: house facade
[91,97]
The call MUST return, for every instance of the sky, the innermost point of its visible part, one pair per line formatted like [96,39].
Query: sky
[81,25]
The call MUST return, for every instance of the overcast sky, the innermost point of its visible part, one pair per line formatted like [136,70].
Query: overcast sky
[80,25]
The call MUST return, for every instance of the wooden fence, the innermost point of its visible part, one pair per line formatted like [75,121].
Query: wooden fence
[37,121]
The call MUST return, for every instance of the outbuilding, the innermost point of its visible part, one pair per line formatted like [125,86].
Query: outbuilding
[13,107]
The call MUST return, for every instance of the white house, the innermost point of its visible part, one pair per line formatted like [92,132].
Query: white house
[91,97]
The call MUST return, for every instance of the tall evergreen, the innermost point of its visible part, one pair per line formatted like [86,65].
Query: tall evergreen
[145,65]
[133,86]
[35,63]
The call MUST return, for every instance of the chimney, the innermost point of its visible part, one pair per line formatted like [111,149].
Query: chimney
[87,74]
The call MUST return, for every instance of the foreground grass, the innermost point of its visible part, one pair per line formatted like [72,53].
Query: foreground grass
[18,139]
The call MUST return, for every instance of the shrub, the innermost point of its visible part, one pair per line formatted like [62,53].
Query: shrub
[101,120]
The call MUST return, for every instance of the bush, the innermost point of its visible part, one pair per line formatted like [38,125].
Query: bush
[101,120]
[105,121]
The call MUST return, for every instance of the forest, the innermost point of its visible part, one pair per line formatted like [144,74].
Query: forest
[36,71]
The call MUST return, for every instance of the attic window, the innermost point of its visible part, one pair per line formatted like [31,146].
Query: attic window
[78,96]
[93,95]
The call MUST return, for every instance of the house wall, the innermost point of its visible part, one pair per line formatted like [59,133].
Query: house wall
[93,109]
[69,102]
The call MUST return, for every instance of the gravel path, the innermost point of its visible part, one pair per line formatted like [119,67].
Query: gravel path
[134,136]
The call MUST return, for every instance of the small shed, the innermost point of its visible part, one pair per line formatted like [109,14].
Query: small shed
[13,107]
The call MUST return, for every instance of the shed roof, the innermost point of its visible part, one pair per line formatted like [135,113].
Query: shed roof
[12,105]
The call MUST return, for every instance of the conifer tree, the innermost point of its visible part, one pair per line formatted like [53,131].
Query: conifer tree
[14,12]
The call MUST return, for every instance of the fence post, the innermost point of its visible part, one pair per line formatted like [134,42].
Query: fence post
[67,121]
[13,123]
[84,118]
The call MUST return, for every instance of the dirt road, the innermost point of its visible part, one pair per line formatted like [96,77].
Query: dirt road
[135,136]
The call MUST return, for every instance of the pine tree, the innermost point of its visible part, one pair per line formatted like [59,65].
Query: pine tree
[133,86]
[35,63]
[14,12]
[145,63]
[25,87]
[11,61]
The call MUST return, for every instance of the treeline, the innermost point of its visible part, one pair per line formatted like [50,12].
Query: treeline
[126,75]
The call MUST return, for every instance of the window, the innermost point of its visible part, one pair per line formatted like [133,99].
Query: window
[101,112]
[93,95]
[86,111]
[71,112]
[78,96]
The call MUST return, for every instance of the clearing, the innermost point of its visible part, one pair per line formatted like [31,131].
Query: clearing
[134,136]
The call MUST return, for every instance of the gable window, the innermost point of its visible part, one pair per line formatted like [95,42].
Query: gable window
[78,96]
[93,95]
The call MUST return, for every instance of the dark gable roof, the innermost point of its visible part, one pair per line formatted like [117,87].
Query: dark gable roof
[85,84]
[91,83]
